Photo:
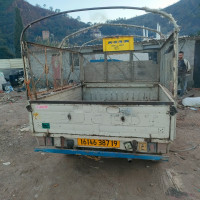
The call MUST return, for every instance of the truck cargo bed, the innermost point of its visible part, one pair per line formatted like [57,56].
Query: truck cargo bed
[111,92]
[106,110]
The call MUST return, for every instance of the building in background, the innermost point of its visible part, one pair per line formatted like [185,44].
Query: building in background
[96,33]
[45,35]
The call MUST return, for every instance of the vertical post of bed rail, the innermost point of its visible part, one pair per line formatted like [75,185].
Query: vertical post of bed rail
[175,64]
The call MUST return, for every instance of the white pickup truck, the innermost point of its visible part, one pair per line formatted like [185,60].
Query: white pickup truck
[112,101]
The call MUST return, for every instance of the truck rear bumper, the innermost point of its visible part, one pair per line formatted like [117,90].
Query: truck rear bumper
[104,154]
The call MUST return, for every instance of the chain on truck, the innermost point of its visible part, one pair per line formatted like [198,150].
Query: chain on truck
[115,99]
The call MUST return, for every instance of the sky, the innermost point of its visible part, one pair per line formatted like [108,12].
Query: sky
[103,15]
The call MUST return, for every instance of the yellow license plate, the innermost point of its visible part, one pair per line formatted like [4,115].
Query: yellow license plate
[142,146]
[98,143]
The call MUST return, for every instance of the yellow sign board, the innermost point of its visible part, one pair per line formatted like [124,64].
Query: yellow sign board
[121,43]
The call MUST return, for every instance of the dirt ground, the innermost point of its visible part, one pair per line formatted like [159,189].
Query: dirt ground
[26,175]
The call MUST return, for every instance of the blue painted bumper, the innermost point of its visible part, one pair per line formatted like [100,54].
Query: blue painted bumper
[104,154]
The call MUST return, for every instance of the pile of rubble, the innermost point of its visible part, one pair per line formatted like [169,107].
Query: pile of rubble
[16,81]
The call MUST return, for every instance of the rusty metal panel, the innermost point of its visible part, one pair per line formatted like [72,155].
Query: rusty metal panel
[166,65]
[50,69]
[119,71]
[146,71]
[124,67]
[94,67]
[197,64]
[94,72]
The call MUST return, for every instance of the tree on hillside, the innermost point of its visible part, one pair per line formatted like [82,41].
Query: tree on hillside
[57,10]
[5,53]
[78,18]
[17,33]
[37,5]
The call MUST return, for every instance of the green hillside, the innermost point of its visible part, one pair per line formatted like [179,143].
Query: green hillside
[6,29]
[185,12]
[58,27]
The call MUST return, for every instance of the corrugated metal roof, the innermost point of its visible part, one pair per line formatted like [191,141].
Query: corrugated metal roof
[11,63]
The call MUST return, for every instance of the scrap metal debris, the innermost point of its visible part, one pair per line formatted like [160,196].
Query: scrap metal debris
[7,98]
[6,163]
[94,158]
[175,193]
[25,129]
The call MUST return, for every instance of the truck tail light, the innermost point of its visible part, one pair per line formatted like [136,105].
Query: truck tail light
[45,141]
[67,143]
[49,141]
[151,147]
[162,148]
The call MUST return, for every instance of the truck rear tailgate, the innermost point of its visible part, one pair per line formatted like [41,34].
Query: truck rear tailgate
[110,119]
